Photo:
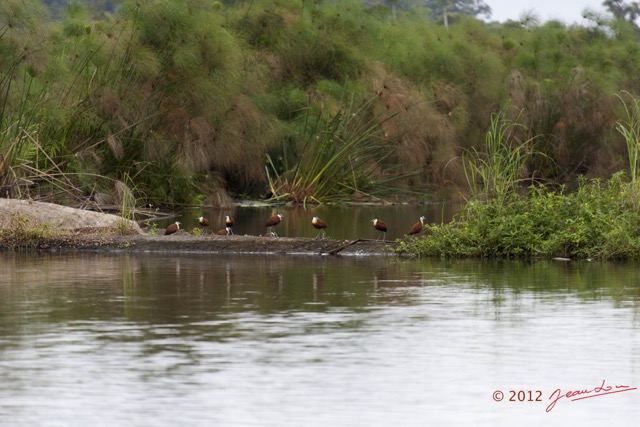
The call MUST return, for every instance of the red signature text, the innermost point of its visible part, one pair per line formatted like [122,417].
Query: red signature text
[601,390]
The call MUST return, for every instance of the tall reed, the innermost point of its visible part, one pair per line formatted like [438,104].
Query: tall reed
[16,121]
[497,172]
[336,158]
[629,128]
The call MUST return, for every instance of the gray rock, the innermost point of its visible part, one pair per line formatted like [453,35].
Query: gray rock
[61,217]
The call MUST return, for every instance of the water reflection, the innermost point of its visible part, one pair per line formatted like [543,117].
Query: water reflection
[54,286]
[196,339]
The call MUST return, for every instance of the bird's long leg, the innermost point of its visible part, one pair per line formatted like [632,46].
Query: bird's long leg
[384,235]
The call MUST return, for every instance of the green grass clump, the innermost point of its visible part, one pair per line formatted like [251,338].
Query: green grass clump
[496,172]
[23,234]
[336,158]
[630,130]
[599,220]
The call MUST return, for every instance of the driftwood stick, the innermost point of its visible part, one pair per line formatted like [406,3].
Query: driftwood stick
[340,248]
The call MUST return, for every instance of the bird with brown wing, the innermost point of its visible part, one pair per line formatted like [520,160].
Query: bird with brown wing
[272,222]
[204,223]
[319,224]
[381,227]
[172,228]
[224,232]
[417,227]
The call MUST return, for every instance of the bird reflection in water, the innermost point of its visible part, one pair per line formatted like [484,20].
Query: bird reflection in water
[318,279]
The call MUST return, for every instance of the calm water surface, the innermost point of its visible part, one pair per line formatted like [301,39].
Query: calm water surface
[202,340]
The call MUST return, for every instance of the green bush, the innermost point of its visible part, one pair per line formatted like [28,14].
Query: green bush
[599,220]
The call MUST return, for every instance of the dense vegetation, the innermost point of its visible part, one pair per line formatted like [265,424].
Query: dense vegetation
[601,219]
[168,101]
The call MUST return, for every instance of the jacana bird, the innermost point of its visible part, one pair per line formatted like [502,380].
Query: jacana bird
[417,227]
[318,224]
[272,222]
[203,221]
[380,226]
[229,223]
[172,228]
[224,232]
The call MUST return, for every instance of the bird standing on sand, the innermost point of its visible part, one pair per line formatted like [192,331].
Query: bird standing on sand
[417,227]
[229,223]
[272,222]
[380,226]
[318,224]
[172,228]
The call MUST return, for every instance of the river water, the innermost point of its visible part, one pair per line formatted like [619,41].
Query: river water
[209,340]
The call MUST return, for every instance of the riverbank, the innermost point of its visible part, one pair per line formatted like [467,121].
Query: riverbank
[38,226]
[29,225]
[187,243]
